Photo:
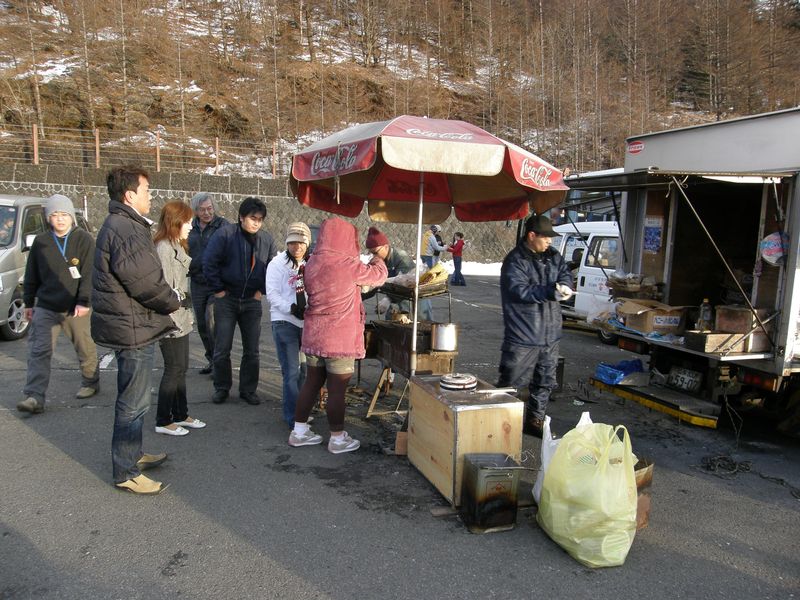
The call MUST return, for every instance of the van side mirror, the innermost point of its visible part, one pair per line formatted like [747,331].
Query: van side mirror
[28,242]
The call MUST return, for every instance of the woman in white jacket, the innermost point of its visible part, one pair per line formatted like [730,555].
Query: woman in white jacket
[287,303]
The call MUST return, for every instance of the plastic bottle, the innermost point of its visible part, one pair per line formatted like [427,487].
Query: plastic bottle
[705,319]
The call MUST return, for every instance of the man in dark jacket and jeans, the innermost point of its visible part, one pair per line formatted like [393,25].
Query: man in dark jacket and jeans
[205,224]
[235,267]
[533,280]
[131,304]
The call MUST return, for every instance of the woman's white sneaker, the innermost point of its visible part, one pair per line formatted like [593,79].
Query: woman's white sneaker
[343,444]
[309,438]
[167,431]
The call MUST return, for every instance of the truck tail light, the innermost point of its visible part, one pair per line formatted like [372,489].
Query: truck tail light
[632,345]
[760,380]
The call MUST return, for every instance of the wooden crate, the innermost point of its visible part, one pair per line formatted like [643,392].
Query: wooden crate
[715,342]
[738,319]
[444,426]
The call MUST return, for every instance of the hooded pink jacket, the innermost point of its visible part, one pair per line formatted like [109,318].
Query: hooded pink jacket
[334,317]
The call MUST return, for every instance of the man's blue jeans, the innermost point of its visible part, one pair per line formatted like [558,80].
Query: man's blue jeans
[532,365]
[287,338]
[135,368]
[228,312]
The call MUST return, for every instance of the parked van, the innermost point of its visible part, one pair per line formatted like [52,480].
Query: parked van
[592,251]
[21,219]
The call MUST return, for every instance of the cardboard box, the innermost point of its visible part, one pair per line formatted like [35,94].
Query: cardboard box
[649,316]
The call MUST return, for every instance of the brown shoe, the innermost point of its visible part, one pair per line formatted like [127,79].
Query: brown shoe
[534,427]
[86,392]
[31,405]
[142,484]
[148,461]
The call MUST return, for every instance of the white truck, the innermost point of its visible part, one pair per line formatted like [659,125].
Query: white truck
[700,205]
[592,251]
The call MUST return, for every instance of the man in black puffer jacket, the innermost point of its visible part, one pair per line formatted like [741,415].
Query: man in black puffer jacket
[131,304]
[533,280]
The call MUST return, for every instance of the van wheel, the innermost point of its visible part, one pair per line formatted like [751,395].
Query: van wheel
[607,337]
[17,325]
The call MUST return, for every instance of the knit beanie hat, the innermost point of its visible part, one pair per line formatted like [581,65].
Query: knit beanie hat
[58,203]
[199,198]
[298,232]
[376,238]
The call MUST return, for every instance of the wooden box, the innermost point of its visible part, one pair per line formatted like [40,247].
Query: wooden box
[738,319]
[443,426]
[715,342]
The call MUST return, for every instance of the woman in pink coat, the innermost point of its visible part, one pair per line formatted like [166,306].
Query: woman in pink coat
[333,330]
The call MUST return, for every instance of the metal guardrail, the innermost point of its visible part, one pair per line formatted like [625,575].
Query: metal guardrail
[155,150]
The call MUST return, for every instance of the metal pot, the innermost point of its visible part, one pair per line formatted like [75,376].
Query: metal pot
[444,337]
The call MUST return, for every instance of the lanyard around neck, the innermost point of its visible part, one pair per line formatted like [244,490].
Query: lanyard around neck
[62,249]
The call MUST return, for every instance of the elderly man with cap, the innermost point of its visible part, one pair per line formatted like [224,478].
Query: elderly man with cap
[56,290]
[533,280]
[205,224]
[287,304]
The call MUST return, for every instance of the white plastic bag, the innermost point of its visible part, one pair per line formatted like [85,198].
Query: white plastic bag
[549,445]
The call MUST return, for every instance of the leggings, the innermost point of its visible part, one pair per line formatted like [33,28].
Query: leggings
[337,386]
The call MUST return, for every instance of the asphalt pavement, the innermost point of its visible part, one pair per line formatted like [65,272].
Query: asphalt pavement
[246,516]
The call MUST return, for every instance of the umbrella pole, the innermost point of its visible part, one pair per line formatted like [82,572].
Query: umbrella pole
[416,278]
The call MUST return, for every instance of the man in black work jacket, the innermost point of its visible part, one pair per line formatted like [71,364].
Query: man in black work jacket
[235,267]
[533,280]
[56,291]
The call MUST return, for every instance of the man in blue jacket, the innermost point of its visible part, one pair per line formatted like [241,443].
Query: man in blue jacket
[533,280]
[235,266]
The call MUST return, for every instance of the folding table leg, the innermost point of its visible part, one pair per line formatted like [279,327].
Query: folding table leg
[384,377]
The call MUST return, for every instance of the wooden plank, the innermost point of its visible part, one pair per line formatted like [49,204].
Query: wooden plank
[491,429]
[431,432]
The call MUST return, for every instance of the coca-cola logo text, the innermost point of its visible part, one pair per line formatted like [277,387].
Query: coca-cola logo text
[441,136]
[538,174]
[635,147]
[322,163]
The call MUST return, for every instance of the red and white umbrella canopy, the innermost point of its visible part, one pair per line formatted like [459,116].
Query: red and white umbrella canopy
[393,165]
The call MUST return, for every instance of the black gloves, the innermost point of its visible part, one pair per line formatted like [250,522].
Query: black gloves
[298,311]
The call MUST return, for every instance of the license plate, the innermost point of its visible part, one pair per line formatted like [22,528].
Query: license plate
[684,379]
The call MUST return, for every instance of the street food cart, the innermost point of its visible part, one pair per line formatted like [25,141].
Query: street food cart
[419,170]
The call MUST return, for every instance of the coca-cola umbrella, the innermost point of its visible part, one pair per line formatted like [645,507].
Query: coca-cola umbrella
[413,169]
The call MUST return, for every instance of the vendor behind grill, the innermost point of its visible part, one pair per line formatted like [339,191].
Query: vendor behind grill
[398,262]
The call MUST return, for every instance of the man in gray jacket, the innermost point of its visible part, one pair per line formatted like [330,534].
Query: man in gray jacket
[131,307]
[204,225]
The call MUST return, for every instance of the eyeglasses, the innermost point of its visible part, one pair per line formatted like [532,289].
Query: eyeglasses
[205,209]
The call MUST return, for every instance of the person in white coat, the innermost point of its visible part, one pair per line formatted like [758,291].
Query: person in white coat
[287,303]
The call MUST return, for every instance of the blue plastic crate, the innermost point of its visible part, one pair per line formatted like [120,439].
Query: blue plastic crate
[613,374]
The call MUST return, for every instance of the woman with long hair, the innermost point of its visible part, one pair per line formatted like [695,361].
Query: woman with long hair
[173,230]
[287,305]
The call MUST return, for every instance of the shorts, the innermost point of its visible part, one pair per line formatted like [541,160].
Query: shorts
[335,366]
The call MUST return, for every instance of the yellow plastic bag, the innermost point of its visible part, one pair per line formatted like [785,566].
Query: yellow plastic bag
[588,502]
